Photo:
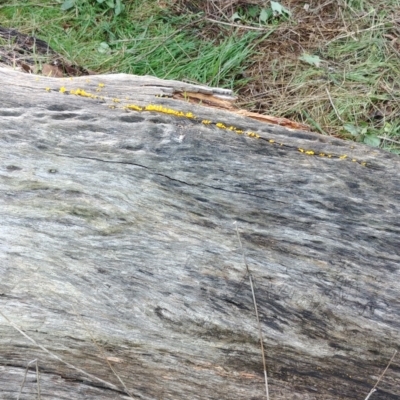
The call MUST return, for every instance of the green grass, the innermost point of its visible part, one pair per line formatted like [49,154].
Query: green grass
[366,80]
[354,93]
[144,40]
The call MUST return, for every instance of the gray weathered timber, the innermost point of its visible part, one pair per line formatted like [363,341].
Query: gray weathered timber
[118,251]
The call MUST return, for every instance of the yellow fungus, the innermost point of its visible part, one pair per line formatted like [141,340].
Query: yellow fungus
[158,108]
[83,93]
[134,107]
[188,114]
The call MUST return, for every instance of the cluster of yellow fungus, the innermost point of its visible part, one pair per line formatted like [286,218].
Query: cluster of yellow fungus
[253,134]
[100,87]
[76,92]
[134,107]
[81,92]
[177,113]
[170,111]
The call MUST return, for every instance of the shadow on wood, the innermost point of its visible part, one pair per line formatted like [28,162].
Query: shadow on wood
[119,255]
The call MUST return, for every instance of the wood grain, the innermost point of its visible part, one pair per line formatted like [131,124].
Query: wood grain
[119,254]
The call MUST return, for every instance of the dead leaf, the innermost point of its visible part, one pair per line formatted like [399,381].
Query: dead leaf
[25,67]
[52,71]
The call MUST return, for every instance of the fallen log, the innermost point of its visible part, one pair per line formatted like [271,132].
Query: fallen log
[121,271]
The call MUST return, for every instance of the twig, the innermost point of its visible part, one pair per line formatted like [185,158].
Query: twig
[381,376]
[107,384]
[256,310]
[37,378]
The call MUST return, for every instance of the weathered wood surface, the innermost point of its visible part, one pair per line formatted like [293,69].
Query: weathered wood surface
[118,247]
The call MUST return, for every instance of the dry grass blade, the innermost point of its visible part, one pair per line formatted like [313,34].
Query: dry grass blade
[333,105]
[254,28]
[256,311]
[388,139]
[101,351]
[381,376]
[35,361]
[105,383]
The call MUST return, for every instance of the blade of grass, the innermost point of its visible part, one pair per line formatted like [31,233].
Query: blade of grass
[256,311]
[35,361]
[381,376]
[107,384]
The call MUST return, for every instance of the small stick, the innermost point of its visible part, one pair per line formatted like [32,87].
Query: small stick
[256,310]
[383,373]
